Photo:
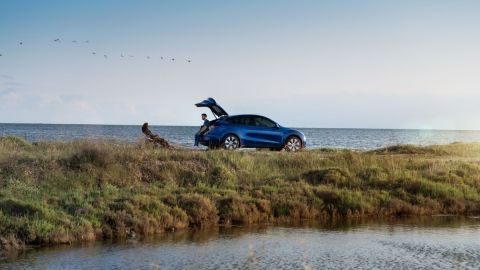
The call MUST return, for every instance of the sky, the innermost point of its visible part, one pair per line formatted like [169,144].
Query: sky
[327,64]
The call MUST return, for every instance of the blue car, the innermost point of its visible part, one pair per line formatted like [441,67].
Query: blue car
[248,131]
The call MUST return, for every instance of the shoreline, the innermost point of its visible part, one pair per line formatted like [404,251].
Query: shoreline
[433,221]
[67,192]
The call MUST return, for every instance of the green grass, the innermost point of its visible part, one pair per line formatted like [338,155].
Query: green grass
[54,192]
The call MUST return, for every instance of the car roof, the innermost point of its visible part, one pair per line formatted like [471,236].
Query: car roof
[246,115]
[243,115]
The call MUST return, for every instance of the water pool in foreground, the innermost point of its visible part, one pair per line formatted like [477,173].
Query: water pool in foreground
[426,243]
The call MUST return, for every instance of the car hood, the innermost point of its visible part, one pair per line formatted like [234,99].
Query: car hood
[214,107]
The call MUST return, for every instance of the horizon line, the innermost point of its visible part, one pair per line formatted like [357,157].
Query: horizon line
[170,125]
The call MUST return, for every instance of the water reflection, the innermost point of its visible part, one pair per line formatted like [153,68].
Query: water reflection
[425,242]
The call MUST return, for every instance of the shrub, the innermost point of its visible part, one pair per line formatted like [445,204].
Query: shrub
[13,141]
[375,176]
[19,208]
[294,209]
[221,176]
[432,189]
[238,210]
[200,210]
[89,154]
[344,201]
[329,176]
[407,149]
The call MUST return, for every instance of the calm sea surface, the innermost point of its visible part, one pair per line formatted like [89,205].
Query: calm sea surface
[431,243]
[183,135]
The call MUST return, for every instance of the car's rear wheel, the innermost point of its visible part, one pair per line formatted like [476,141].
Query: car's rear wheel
[231,142]
[293,144]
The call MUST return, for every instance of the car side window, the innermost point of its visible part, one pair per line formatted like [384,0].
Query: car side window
[239,120]
[264,122]
[247,121]
[233,120]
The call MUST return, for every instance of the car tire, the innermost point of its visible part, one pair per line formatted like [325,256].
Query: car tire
[231,142]
[293,144]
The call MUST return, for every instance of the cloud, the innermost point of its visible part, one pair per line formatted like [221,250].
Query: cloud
[6,91]
[8,84]
[131,108]
[8,97]
[6,77]
[71,98]
[12,84]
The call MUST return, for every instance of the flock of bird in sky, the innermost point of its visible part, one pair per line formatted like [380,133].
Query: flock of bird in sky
[58,40]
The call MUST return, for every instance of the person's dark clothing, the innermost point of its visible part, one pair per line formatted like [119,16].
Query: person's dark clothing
[200,133]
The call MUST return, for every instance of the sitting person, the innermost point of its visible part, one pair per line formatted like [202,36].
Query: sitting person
[154,138]
[203,129]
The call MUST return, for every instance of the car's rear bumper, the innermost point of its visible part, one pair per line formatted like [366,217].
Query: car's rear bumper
[209,140]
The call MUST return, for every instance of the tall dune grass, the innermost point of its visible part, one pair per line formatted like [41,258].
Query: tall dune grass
[56,192]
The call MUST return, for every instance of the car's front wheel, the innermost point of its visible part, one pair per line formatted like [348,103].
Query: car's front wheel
[292,144]
[231,142]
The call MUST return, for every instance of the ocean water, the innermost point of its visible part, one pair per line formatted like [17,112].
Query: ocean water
[362,139]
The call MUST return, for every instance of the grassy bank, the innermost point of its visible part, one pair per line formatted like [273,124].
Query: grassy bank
[54,192]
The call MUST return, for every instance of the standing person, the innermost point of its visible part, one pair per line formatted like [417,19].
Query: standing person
[202,129]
